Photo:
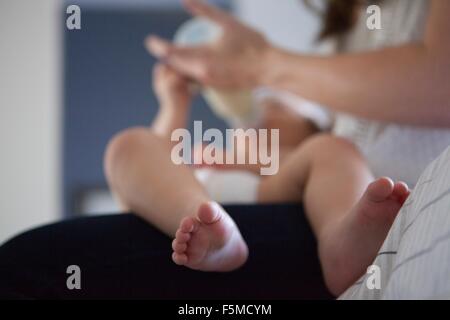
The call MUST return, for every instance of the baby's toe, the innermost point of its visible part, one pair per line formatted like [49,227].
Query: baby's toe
[401,192]
[179,259]
[209,213]
[179,247]
[182,237]
[380,190]
[187,225]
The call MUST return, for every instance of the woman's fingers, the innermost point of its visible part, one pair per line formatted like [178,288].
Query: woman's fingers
[200,8]
[211,64]
[190,61]
[170,53]
[158,47]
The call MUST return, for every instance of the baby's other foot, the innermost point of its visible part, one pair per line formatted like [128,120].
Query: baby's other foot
[350,245]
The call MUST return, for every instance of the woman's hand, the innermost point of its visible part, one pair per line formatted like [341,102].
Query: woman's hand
[235,60]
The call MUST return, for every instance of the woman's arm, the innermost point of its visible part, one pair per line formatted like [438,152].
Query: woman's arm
[408,84]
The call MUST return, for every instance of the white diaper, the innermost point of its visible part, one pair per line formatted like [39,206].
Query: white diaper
[317,114]
[229,186]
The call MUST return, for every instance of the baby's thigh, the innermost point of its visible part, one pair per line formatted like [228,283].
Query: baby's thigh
[294,128]
[330,150]
[326,156]
[320,155]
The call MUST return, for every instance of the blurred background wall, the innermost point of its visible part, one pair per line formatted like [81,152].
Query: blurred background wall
[64,93]
[30,114]
[287,23]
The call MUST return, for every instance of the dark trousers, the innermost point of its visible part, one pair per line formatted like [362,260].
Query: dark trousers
[121,256]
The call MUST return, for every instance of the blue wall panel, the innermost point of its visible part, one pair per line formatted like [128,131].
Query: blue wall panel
[108,88]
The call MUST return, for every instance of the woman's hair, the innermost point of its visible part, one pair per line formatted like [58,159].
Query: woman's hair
[338,16]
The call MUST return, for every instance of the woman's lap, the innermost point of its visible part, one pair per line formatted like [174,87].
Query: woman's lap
[121,256]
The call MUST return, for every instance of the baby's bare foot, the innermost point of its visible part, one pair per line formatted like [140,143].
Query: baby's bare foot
[174,95]
[211,241]
[350,245]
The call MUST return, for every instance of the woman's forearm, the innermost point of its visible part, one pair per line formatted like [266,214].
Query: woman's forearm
[407,84]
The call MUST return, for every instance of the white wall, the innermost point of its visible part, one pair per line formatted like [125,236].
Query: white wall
[29,113]
[287,23]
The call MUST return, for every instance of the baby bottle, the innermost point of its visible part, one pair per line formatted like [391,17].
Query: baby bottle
[232,105]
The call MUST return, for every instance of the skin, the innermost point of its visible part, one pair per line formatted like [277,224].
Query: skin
[350,226]
[412,78]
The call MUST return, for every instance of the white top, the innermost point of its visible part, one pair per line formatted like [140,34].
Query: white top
[398,151]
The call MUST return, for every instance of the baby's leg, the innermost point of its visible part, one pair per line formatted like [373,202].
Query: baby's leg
[174,97]
[329,175]
[143,177]
[140,170]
